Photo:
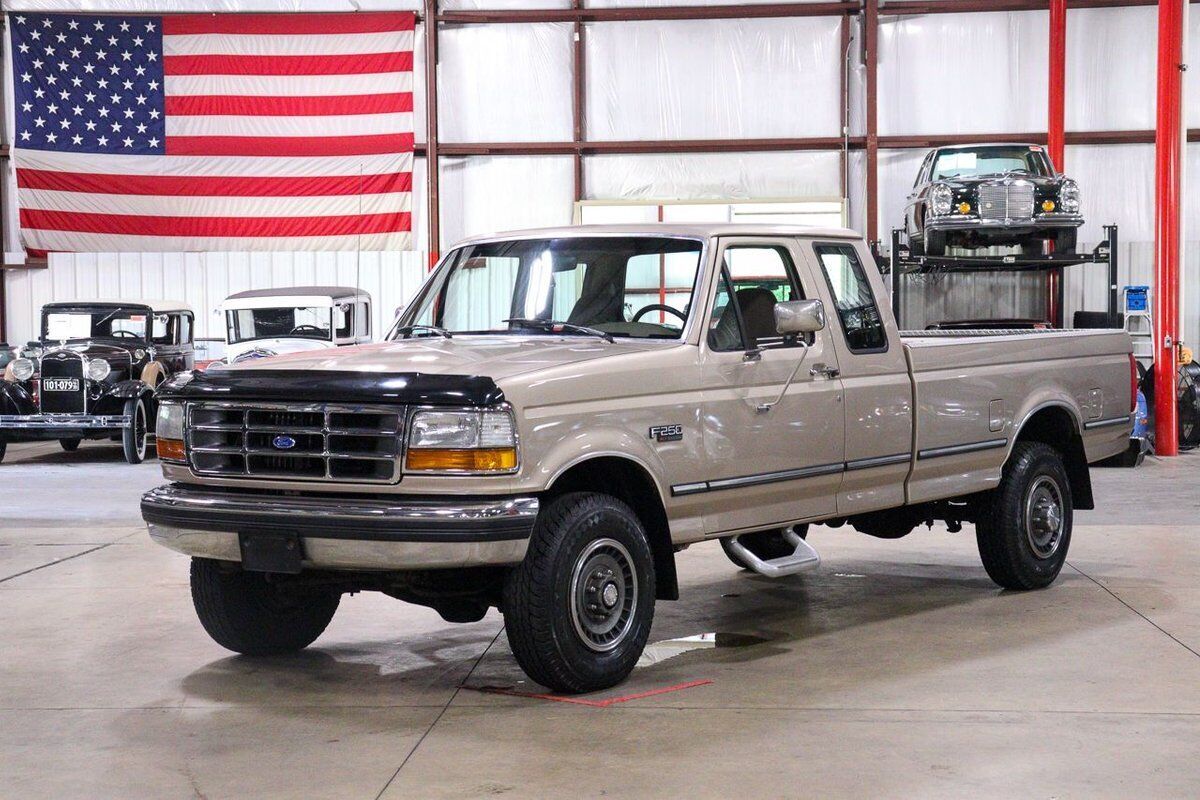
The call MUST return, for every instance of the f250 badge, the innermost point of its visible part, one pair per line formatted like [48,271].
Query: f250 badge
[667,433]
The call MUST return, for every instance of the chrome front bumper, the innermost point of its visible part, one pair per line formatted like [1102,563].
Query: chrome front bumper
[44,421]
[384,533]
[962,222]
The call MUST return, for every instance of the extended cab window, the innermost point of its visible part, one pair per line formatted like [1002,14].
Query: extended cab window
[856,308]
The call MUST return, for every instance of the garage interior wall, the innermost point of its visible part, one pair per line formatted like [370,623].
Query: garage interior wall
[939,74]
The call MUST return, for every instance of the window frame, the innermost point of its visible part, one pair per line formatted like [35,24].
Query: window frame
[833,296]
[792,272]
[723,276]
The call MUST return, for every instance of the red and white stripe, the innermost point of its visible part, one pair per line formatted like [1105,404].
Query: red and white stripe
[283,132]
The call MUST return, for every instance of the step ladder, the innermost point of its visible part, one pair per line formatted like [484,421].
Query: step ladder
[1138,323]
[804,557]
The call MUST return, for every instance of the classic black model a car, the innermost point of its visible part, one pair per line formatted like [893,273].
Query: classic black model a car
[93,371]
[975,196]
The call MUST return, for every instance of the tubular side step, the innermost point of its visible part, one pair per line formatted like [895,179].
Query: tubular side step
[803,558]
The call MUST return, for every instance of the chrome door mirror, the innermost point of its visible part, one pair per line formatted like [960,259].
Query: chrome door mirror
[799,316]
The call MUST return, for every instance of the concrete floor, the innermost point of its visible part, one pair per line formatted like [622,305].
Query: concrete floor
[896,670]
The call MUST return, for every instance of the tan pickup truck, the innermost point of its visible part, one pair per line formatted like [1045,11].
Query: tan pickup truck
[558,412]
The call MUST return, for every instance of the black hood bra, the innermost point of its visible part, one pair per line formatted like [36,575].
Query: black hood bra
[335,386]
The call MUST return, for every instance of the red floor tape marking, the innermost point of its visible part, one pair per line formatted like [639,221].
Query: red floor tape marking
[611,701]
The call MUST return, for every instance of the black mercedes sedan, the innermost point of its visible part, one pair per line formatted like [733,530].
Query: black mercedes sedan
[92,373]
[982,195]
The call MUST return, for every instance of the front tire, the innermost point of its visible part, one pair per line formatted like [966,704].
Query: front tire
[578,609]
[1024,530]
[246,613]
[133,437]
[69,445]
[3,449]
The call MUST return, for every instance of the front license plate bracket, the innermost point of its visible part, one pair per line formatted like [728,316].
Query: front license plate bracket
[271,552]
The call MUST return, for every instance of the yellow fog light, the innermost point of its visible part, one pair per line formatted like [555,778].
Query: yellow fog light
[491,459]
[964,208]
[1047,205]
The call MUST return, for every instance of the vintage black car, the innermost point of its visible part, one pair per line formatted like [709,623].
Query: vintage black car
[974,196]
[93,371]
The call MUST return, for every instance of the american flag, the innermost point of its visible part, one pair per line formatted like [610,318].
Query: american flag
[213,131]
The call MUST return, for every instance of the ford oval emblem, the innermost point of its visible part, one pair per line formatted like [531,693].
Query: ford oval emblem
[283,442]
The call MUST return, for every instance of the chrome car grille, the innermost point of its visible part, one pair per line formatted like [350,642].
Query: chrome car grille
[999,201]
[62,372]
[316,442]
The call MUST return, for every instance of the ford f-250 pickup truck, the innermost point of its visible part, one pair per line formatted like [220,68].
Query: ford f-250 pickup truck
[558,412]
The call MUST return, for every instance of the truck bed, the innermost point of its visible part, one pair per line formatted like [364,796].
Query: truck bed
[974,390]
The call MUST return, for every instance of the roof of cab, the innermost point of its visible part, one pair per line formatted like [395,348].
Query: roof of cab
[157,306]
[334,292]
[696,230]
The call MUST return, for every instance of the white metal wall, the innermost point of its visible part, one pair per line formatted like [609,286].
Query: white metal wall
[203,280]
[943,73]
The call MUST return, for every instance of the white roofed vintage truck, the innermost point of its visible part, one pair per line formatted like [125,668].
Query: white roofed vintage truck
[265,322]
[558,412]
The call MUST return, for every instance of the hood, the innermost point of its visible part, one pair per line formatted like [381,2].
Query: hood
[496,357]
[1039,181]
[116,354]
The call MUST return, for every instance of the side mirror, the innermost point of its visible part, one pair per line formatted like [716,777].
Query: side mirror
[799,316]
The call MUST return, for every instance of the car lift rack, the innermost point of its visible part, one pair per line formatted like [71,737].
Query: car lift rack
[900,262]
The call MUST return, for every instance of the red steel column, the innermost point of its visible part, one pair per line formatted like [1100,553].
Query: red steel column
[870,24]
[431,129]
[1056,129]
[1167,199]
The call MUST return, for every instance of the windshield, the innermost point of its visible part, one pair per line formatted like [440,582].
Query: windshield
[634,287]
[990,161]
[246,324]
[58,326]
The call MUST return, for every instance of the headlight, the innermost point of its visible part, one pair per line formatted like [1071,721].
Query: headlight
[98,369]
[940,199]
[139,354]
[168,432]
[22,369]
[1068,197]
[462,441]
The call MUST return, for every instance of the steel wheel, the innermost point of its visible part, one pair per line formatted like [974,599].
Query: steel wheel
[1044,516]
[604,589]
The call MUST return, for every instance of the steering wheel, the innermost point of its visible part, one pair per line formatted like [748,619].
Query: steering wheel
[303,328]
[659,307]
[122,333]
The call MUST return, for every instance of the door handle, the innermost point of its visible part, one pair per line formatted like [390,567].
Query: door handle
[822,369]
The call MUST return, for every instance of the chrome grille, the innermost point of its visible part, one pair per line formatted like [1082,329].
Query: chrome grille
[63,365]
[999,201]
[317,442]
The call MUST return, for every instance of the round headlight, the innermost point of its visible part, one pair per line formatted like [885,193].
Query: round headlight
[941,197]
[139,354]
[22,369]
[98,369]
[1068,197]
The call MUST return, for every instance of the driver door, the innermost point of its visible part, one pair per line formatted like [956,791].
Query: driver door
[766,467]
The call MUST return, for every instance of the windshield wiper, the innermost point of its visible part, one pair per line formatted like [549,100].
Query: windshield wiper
[555,326]
[405,329]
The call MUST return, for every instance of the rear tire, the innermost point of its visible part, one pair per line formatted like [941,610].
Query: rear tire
[578,609]
[133,437]
[764,544]
[1065,241]
[1024,530]
[246,613]
[69,445]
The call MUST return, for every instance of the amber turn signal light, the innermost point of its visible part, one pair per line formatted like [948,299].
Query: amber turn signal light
[1047,205]
[964,208]
[171,450]
[492,459]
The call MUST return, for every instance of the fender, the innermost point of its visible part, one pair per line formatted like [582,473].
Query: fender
[129,389]
[597,443]
[153,373]
[15,399]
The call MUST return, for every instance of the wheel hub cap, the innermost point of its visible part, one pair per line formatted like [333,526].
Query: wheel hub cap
[1044,516]
[603,594]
